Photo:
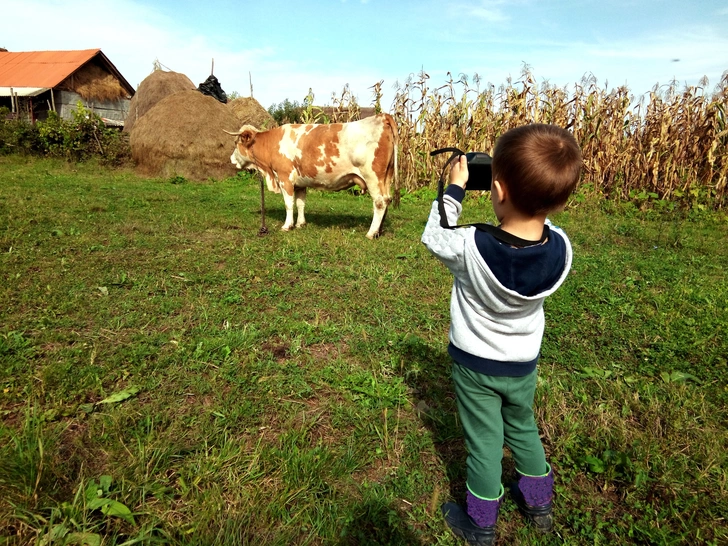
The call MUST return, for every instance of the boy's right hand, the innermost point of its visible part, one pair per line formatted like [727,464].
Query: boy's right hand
[459,172]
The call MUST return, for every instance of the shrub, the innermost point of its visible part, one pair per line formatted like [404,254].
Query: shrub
[17,135]
[83,137]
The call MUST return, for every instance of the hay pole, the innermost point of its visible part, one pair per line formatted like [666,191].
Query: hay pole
[263,230]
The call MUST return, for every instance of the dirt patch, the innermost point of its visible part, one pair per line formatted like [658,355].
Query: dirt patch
[279,351]
[326,351]
[320,352]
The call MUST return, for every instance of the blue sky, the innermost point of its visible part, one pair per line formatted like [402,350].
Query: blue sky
[288,47]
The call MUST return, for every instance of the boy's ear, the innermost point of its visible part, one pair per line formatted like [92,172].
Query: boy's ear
[501,190]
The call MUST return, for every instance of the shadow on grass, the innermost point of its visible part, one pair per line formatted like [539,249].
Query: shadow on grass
[375,523]
[353,220]
[429,375]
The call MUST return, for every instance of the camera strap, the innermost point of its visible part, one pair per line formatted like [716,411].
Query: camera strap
[495,231]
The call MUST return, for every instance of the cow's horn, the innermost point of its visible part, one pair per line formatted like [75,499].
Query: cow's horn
[236,133]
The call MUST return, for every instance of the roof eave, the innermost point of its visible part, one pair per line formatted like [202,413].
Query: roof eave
[22,91]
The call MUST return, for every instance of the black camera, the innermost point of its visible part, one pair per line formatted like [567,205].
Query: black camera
[480,172]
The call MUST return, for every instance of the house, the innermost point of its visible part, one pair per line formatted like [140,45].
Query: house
[342,114]
[32,83]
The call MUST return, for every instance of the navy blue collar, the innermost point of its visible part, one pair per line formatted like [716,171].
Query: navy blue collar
[510,239]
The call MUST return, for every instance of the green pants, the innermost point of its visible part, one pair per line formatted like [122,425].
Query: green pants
[493,411]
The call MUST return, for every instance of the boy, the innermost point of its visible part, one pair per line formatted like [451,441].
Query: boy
[497,319]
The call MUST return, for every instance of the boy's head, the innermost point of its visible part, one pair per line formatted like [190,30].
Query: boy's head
[539,165]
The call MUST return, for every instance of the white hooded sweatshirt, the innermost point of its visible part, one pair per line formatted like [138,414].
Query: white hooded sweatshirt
[494,329]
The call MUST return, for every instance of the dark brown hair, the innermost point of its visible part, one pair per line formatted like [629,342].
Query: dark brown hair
[539,165]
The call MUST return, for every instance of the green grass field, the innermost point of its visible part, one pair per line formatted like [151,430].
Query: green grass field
[168,376]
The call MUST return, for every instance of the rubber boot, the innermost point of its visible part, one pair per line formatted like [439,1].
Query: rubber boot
[534,495]
[477,525]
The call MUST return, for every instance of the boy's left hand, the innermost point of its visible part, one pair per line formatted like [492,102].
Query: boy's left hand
[459,172]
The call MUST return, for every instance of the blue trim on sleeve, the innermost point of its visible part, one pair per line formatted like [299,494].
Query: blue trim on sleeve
[456,192]
[486,366]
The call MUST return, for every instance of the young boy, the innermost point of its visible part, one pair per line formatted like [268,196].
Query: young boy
[500,282]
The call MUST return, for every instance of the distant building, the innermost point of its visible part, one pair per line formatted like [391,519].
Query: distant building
[32,83]
[342,114]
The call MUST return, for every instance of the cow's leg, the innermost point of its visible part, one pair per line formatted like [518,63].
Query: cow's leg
[381,198]
[300,194]
[380,211]
[288,200]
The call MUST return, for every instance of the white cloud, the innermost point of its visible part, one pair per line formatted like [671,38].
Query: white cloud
[133,35]
[650,59]
[496,11]
[489,14]
[132,39]
[136,35]
[490,11]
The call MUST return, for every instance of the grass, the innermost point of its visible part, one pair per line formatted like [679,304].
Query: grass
[167,376]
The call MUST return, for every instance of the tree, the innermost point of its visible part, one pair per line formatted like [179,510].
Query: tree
[286,112]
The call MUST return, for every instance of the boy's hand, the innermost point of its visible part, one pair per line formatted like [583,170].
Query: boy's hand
[459,172]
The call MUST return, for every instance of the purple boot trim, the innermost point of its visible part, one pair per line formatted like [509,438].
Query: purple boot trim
[537,490]
[484,512]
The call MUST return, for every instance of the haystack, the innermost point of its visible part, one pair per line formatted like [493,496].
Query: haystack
[183,135]
[94,83]
[155,87]
[250,112]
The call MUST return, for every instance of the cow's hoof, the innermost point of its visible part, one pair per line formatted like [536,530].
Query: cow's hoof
[300,225]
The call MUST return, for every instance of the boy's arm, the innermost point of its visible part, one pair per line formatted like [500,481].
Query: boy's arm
[447,245]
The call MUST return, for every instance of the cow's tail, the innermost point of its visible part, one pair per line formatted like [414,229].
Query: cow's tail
[395,135]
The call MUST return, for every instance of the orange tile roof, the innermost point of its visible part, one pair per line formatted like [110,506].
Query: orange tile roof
[44,68]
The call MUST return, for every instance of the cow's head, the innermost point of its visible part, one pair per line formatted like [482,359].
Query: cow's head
[242,156]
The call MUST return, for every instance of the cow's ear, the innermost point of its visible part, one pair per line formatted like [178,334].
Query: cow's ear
[247,137]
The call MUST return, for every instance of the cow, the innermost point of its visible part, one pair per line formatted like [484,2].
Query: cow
[334,157]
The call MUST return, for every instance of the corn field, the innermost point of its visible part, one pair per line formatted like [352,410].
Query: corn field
[668,144]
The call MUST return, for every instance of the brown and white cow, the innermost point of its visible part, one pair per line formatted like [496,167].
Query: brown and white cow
[332,157]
